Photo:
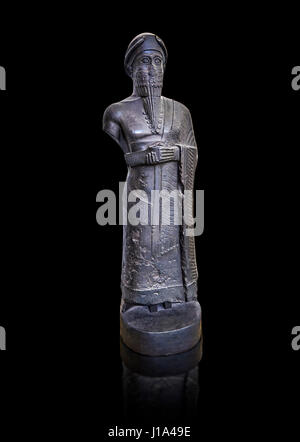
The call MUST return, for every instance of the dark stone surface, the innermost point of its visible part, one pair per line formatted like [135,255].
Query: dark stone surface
[157,366]
[165,332]
[162,388]
[159,269]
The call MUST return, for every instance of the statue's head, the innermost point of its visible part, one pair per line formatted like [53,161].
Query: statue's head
[145,63]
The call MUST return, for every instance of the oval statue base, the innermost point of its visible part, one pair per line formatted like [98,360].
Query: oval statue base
[165,332]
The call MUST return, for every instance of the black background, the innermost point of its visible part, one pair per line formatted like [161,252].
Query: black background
[61,302]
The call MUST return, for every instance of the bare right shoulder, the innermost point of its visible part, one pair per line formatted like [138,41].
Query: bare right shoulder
[111,120]
[112,113]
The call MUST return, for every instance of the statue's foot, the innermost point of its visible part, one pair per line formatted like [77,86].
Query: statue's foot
[125,306]
[167,330]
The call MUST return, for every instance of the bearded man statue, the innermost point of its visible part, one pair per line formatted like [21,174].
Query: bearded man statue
[160,313]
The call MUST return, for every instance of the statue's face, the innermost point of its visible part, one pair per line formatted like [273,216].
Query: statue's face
[148,72]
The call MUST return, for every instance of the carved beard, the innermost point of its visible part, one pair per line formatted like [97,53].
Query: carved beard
[149,88]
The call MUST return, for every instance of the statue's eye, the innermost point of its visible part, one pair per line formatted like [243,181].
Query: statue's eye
[145,60]
[157,60]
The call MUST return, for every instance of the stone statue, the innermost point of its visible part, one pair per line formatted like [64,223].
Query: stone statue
[160,313]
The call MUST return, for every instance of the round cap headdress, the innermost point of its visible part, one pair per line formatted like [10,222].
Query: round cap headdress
[143,42]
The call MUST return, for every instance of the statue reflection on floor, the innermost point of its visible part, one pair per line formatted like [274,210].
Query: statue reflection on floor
[162,389]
